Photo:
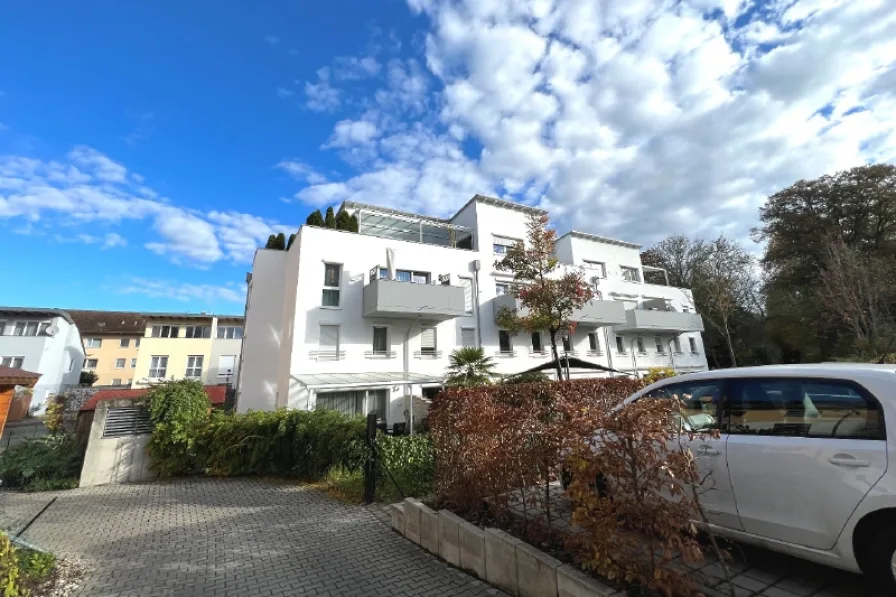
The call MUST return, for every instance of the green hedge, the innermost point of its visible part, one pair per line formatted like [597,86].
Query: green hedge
[42,464]
[410,461]
[283,443]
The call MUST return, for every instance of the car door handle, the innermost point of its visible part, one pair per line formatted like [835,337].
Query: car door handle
[848,461]
[707,451]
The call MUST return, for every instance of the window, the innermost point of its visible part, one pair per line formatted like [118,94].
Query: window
[639,343]
[194,366]
[93,342]
[165,331]
[501,289]
[332,280]
[537,346]
[116,381]
[593,343]
[599,266]
[693,343]
[660,347]
[226,365]
[428,340]
[501,248]
[198,331]
[468,337]
[19,329]
[42,329]
[630,274]
[91,363]
[2,327]
[467,285]
[804,408]
[404,275]
[380,340]
[158,367]
[676,345]
[137,343]
[699,403]
[504,343]
[353,403]
[620,344]
[31,328]
[329,340]
[133,363]
[119,363]
[124,343]
[14,362]
[230,331]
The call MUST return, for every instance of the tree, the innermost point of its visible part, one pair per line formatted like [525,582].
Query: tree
[272,241]
[680,256]
[343,219]
[280,242]
[469,367]
[547,294]
[88,378]
[330,219]
[859,293]
[292,238]
[315,218]
[353,223]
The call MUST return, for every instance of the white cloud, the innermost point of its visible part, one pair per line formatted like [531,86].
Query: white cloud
[352,132]
[272,39]
[352,68]
[301,171]
[283,93]
[112,240]
[321,96]
[100,166]
[183,291]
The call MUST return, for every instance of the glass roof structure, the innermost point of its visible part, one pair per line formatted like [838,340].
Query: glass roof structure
[399,225]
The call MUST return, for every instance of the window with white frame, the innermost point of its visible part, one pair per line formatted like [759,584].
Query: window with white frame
[467,285]
[133,363]
[165,331]
[660,347]
[14,362]
[406,275]
[194,366]
[30,329]
[2,327]
[639,343]
[137,343]
[428,340]
[198,331]
[226,365]
[630,274]
[505,345]
[676,345]
[537,345]
[380,340]
[693,343]
[501,289]
[93,342]
[332,285]
[91,363]
[116,381]
[599,267]
[230,331]
[158,366]
[124,343]
[328,344]
[501,246]
[119,363]
[42,329]
[468,337]
[620,344]
[593,343]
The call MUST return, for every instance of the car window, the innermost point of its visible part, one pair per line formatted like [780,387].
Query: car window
[804,408]
[700,400]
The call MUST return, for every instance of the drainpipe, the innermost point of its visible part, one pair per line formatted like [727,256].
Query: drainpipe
[607,344]
[406,357]
[634,358]
[477,265]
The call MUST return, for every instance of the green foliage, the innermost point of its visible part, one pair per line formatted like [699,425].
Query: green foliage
[22,569]
[177,410]
[42,464]
[527,377]
[330,218]
[315,218]
[469,366]
[280,241]
[272,240]
[88,378]
[343,220]
[292,239]
[287,443]
[55,415]
[353,223]
[11,581]
[411,462]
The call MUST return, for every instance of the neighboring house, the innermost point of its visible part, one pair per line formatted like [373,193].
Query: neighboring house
[45,341]
[183,345]
[111,344]
[360,322]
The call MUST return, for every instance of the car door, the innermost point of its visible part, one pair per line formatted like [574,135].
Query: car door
[701,400]
[802,453]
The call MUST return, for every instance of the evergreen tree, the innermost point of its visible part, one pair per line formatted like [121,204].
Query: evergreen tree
[292,237]
[315,219]
[272,240]
[280,242]
[330,219]
[343,219]
[353,223]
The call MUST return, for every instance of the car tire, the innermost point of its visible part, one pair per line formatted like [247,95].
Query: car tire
[880,561]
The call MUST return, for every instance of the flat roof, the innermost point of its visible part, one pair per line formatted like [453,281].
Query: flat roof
[501,203]
[39,312]
[601,239]
[188,316]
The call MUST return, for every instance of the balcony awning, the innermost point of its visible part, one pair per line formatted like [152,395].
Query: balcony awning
[333,381]
[574,363]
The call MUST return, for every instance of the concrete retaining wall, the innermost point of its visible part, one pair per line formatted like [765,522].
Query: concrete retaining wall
[114,460]
[493,555]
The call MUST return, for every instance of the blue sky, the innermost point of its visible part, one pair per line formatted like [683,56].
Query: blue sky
[147,148]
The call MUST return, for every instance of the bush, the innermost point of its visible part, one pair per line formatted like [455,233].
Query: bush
[88,378]
[42,464]
[406,461]
[177,410]
[22,569]
[288,443]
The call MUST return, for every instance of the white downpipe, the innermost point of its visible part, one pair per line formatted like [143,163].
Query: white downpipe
[406,358]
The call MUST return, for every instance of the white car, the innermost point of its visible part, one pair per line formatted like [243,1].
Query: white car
[800,466]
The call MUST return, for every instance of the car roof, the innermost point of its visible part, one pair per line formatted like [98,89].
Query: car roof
[854,371]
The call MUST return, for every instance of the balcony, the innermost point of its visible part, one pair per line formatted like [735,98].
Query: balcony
[408,300]
[655,320]
[596,312]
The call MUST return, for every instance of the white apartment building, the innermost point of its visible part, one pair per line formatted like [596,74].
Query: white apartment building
[44,341]
[361,322]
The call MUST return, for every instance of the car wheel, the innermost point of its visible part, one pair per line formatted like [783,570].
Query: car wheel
[881,561]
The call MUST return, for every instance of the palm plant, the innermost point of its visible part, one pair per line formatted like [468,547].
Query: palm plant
[470,367]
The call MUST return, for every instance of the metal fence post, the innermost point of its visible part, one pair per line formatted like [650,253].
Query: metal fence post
[370,464]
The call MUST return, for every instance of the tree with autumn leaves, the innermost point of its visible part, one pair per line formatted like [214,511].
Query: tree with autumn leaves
[548,293]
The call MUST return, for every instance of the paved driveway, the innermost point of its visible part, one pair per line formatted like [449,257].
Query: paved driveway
[238,537]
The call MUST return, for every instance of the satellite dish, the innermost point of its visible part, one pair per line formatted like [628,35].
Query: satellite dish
[51,330]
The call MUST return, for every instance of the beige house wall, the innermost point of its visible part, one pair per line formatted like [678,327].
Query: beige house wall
[106,355]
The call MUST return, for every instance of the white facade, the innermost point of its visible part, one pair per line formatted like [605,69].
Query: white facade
[304,339]
[44,341]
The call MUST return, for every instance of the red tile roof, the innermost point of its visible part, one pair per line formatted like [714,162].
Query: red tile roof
[216,395]
[16,373]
